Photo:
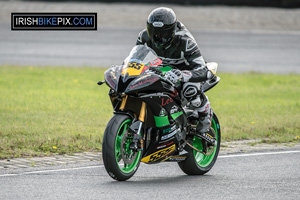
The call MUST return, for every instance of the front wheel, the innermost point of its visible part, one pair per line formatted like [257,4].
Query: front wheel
[119,160]
[197,163]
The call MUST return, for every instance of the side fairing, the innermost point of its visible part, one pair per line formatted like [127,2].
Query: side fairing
[169,119]
[164,108]
[144,83]
[112,76]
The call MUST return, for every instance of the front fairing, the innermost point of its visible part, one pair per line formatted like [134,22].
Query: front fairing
[134,69]
[112,76]
[144,83]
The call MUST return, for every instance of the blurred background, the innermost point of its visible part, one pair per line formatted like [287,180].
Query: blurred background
[50,102]
[241,36]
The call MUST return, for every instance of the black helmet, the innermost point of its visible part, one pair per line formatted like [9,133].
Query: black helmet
[161,25]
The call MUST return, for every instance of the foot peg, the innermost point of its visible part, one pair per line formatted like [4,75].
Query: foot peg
[209,137]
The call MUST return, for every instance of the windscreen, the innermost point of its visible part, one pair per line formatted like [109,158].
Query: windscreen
[140,58]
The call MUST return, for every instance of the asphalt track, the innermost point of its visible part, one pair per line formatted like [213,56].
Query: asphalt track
[268,175]
[240,51]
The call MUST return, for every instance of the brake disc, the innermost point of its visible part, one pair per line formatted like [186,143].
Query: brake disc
[128,155]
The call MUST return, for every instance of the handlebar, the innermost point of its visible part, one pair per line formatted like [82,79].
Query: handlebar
[160,74]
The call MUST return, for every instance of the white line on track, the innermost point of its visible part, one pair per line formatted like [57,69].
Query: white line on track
[92,167]
[52,170]
[258,154]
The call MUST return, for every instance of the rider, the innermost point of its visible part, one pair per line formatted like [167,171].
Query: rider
[177,48]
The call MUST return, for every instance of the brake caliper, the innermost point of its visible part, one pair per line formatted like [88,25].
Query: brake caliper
[137,143]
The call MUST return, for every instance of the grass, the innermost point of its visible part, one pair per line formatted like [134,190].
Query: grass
[53,110]
[258,106]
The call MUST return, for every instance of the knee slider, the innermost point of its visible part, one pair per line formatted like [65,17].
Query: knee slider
[191,93]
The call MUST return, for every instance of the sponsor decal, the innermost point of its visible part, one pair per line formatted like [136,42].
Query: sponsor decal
[169,135]
[133,86]
[158,24]
[135,65]
[111,174]
[167,130]
[133,69]
[110,81]
[173,128]
[113,75]
[142,77]
[146,81]
[53,21]
[159,154]
[164,141]
[164,145]
[174,94]
[174,109]
[209,137]
[166,101]
[155,62]
[150,80]
[176,158]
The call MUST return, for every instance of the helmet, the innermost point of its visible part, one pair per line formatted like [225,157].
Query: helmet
[161,25]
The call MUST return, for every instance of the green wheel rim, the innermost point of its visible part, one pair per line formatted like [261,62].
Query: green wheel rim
[125,168]
[201,159]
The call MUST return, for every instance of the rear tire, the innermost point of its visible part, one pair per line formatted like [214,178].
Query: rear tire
[197,163]
[112,149]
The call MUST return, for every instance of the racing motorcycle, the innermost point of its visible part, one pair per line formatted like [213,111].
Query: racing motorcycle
[151,122]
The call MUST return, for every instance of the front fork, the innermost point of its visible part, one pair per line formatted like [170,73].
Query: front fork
[137,143]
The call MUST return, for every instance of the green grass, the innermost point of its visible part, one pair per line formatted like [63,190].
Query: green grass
[258,106]
[53,110]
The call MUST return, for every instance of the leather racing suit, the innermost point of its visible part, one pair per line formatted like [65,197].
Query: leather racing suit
[184,54]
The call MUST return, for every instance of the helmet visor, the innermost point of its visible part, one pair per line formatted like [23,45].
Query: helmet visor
[161,37]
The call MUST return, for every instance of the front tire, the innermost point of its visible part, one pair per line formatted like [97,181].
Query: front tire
[197,163]
[119,160]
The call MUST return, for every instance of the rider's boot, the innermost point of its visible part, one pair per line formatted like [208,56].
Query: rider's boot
[203,115]
[204,130]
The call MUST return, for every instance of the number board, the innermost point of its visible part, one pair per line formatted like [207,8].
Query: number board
[133,69]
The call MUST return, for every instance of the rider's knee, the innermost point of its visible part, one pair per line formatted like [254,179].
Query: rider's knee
[191,92]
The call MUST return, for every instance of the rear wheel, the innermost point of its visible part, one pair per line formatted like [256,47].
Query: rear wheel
[119,160]
[197,163]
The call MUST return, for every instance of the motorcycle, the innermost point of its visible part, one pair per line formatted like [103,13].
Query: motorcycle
[151,124]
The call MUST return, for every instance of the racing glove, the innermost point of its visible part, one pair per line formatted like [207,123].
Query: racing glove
[197,75]
[174,75]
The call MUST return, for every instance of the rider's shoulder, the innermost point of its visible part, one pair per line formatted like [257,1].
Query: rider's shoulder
[185,36]
[143,36]
[182,31]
